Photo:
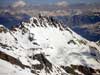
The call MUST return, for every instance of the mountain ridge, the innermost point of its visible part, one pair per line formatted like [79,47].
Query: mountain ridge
[42,46]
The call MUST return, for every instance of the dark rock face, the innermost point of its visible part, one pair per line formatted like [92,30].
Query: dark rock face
[44,63]
[82,69]
[2,29]
[11,59]
[71,41]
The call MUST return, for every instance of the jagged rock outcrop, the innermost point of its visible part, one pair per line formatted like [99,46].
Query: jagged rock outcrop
[98,43]
[42,46]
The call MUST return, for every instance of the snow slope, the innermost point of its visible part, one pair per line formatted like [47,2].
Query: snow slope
[43,46]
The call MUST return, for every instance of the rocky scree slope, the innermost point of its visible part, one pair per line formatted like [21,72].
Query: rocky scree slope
[43,46]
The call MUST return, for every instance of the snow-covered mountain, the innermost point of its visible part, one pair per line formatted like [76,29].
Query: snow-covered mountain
[43,47]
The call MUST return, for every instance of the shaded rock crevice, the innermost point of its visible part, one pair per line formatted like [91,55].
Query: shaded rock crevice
[82,69]
[44,63]
[12,60]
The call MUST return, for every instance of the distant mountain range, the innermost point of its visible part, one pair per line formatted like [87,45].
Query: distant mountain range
[9,20]
[87,25]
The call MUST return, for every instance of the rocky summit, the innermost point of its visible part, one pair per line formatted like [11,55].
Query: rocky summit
[42,46]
